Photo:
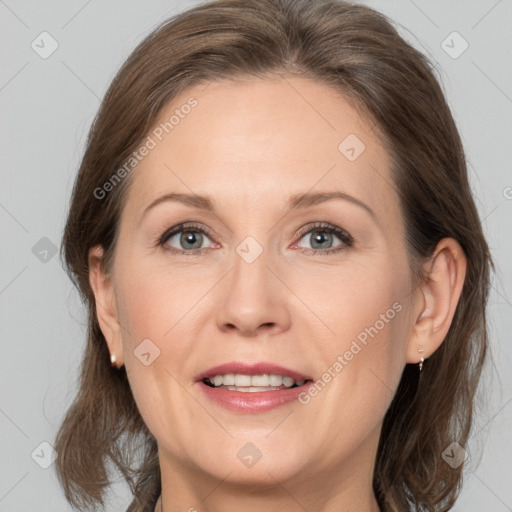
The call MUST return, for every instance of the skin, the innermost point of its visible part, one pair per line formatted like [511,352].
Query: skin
[250,144]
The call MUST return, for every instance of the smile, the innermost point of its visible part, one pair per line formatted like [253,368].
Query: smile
[252,387]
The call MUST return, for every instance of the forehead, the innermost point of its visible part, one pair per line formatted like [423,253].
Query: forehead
[253,141]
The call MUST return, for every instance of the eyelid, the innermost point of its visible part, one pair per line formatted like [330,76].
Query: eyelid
[347,240]
[341,233]
[183,226]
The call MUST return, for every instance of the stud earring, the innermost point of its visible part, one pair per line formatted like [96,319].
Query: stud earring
[113,360]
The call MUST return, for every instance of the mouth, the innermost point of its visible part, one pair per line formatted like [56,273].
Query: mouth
[252,388]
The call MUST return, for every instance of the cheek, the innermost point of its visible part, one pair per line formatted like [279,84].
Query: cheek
[158,307]
[359,293]
[365,310]
[152,300]
[152,307]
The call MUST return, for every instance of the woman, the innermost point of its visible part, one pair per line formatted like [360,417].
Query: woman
[252,371]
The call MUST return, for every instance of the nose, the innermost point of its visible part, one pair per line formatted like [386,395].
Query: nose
[254,299]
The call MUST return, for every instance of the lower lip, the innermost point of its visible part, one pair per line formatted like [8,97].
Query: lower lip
[258,401]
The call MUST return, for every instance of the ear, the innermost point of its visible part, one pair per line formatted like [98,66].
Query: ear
[106,309]
[437,299]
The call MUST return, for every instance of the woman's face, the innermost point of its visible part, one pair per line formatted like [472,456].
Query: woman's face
[272,269]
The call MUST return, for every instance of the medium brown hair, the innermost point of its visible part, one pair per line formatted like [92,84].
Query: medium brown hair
[357,51]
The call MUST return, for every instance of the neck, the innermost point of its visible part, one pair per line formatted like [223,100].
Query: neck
[372,507]
[346,487]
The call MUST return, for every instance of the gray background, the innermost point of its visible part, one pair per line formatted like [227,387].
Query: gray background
[47,105]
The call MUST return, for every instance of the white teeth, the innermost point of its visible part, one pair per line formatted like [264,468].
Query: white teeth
[288,382]
[275,380]
[253,382]
[242,380]
[250,389]
[229,379]
[260,380]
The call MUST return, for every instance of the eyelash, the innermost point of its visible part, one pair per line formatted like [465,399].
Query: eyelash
[343,235]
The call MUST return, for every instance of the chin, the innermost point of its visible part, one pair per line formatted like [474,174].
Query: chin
[260,476]
[253,460]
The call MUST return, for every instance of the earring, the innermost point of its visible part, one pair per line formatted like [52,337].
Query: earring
[420,350]
[113,360]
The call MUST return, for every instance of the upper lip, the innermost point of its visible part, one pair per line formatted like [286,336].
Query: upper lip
[259,368]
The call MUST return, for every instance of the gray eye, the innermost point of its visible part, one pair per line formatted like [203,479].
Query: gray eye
[188,239]
[320,238]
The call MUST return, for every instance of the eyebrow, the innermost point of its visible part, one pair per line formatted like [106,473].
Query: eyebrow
[297,201]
